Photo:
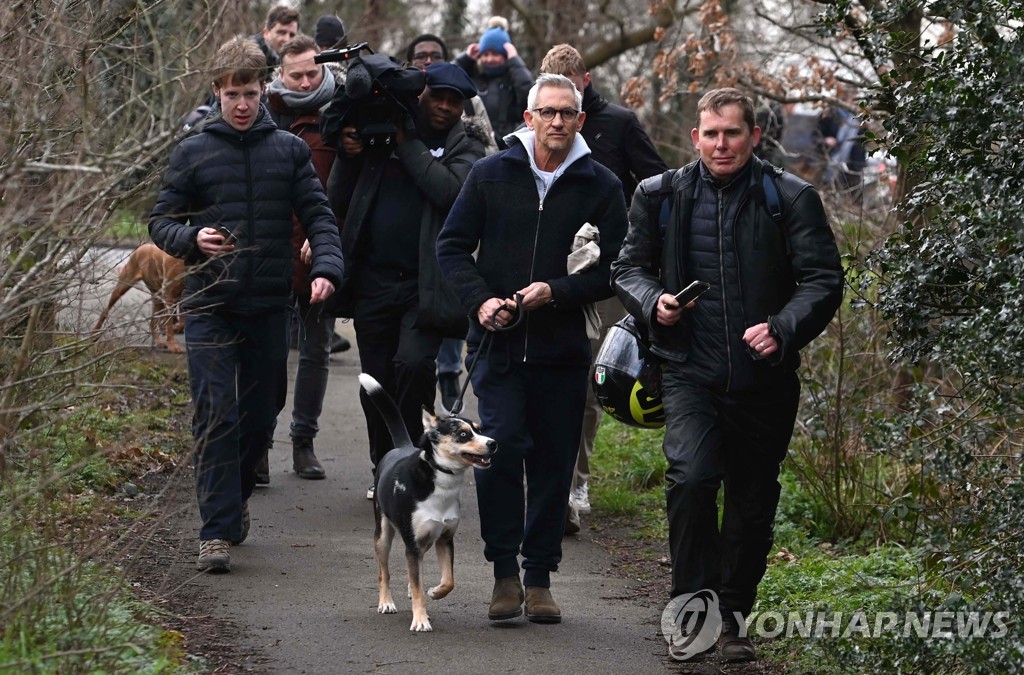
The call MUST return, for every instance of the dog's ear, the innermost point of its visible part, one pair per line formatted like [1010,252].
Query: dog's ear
[429,421]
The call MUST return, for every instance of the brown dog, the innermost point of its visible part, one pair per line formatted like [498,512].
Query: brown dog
[164,276]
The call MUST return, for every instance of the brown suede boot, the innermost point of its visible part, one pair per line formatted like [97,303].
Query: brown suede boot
[506,599]
[541,607]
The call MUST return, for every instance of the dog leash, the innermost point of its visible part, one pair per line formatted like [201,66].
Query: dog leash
[517,317]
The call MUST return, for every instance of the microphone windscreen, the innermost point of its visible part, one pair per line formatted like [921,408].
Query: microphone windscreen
[358,82]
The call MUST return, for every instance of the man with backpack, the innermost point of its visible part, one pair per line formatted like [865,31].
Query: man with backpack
[760,238]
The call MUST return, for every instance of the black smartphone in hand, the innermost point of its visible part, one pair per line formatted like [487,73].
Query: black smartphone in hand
[229,236]
[691,292]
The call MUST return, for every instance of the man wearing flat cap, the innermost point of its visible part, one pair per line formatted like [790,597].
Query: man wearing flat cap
[394,200]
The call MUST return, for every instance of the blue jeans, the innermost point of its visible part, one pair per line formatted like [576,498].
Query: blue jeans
[449,356]
[238,370]
[315,331]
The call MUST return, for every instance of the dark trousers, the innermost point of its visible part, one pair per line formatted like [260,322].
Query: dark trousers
[737,440]
[238,371]
[535,414]
[397,354]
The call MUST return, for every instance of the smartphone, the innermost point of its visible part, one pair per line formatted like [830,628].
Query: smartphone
[691,292]
[229,236]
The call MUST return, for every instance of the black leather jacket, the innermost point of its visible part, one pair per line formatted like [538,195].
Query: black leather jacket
[789,275]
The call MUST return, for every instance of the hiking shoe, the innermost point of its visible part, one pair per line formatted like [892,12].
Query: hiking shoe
[246,522]
[263,469]
[371,492]
[506,599]
[304,461]
[214,556]
[581,495]
[732,647]
[541,607]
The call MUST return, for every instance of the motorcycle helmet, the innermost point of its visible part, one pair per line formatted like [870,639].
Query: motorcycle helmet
[627,378]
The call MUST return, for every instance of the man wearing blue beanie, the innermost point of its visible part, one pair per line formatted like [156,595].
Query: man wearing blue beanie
[501,77]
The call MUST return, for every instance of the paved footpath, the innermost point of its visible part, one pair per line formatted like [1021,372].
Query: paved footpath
[304,585]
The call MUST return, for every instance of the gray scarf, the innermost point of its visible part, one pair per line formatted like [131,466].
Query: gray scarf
[310,100]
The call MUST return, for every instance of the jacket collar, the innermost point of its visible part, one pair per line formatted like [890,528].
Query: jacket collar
[218,125]
[522,140]
[593,101]
[744,177]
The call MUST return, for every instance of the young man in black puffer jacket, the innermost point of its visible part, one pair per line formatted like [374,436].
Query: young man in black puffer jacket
[225,208]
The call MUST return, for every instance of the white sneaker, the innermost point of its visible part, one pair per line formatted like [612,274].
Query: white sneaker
[581,495]
[370,492]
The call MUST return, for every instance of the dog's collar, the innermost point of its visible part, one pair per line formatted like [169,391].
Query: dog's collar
[429,459]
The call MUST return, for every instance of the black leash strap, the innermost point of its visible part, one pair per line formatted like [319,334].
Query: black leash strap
[517,317]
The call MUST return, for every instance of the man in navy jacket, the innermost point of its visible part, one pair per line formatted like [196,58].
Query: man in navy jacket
[522,208]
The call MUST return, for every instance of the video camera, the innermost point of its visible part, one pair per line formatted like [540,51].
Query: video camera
[379,97]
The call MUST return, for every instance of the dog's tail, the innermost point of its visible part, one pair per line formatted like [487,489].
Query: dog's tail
[388,410]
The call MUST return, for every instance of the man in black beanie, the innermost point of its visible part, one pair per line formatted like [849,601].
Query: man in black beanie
[330,32]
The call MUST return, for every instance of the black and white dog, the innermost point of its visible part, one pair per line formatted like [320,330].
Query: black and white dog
[418,494]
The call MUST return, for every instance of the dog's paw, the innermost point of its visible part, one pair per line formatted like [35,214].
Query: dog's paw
[421,625]
[438,592]
[386,608]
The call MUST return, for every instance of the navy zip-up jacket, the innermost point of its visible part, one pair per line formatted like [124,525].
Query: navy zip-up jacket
[522,240]
[249,182]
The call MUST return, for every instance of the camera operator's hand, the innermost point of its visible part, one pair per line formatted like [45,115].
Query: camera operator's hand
[351,145]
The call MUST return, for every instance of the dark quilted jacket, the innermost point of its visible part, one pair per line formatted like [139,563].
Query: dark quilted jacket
[790,276]
[249,182]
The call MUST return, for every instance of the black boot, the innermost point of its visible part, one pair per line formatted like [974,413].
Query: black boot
[263,469]
[304,462]
[339,343]
[731,647]
[448,383]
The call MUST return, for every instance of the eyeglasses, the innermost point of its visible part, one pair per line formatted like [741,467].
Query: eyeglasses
[421,57]
[548,114]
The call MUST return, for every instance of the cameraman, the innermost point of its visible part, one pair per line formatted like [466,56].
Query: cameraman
[394,198]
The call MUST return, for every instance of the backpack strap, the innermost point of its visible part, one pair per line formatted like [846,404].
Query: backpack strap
[768,196]
[771,199]
[665,195]
[659,203]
